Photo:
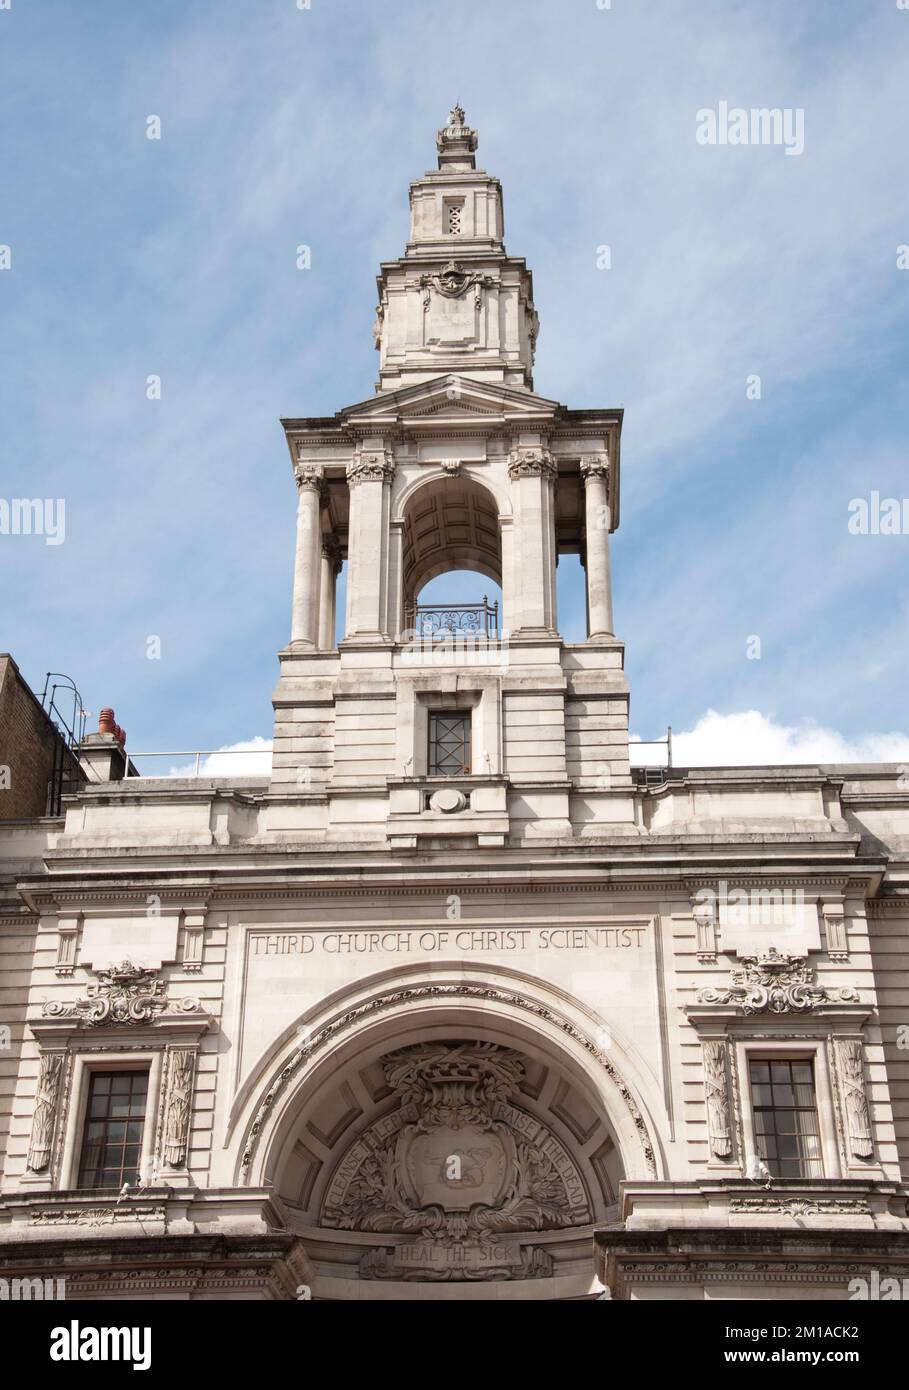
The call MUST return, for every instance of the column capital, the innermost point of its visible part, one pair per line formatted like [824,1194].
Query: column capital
[531,463]
[331,551]
[371,466]
[306,476]
[595,468]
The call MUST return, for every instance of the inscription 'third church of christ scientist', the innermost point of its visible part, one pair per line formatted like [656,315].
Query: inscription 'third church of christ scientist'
[461,939]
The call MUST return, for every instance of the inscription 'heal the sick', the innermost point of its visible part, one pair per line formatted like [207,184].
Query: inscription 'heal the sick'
[463,939]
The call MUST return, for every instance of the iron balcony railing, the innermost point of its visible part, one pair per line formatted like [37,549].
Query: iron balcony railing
[449,621]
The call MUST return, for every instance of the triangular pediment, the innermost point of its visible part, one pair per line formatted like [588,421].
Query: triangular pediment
[450,399]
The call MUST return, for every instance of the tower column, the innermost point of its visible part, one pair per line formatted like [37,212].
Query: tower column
[369,477]
[595,472]
[532,473]
[328,586]
[307,558]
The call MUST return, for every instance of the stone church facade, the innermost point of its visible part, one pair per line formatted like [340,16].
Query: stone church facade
[454,1004]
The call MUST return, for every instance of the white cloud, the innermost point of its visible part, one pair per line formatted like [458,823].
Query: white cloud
[749,738]
[249,758]
[744,739]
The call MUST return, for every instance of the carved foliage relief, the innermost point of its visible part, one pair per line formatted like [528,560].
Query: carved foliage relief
[45,1114]
[176,1114]
[457,1165]
[855,1100]
[717,1094]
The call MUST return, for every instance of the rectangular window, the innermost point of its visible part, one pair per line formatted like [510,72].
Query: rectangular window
[114,1121]
[449,745]
[454,218]
[785,1117]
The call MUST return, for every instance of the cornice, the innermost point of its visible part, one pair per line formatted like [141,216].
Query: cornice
[70,895]
[885,907]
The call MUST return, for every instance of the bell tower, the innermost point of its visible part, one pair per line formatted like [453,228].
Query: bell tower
[467,725]
[455,301]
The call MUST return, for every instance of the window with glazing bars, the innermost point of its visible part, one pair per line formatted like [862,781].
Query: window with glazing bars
[785,1117]
[449,745]
[114,1121]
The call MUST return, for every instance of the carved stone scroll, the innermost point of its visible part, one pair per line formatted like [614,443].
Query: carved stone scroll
[778,984]
[126,994]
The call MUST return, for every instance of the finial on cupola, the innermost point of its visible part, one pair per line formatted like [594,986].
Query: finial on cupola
[456,142]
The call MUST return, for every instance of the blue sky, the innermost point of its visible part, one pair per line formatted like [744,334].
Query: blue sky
[282,126]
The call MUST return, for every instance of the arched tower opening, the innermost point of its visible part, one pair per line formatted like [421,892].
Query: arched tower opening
[452,529]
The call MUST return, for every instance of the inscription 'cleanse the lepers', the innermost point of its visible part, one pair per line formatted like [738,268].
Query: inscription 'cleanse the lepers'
[462,939]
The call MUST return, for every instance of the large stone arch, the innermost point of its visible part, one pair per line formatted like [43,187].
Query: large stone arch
[329,1114]
[449,521]
[484,478]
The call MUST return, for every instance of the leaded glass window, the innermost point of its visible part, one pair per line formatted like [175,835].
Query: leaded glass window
[785,1117]
[449,745]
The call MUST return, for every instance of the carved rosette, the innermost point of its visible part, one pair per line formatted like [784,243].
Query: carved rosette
[45,1114]
[531,463]
[371,466]
[855,1101]
[717,1094]
[126,994]
[778,984]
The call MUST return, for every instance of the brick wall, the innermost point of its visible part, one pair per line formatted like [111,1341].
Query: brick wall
[27,740]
